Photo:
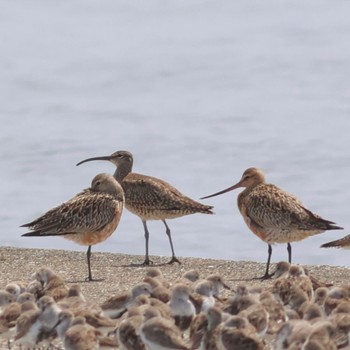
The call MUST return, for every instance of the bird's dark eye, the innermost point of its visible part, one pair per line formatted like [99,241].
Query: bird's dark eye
[98,183]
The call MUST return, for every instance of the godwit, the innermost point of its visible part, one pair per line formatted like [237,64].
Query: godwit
[150,198]
[88,218]
[274,215]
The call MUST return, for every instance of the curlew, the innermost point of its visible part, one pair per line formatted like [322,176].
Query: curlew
[150,198]
[88,218]
[274,215]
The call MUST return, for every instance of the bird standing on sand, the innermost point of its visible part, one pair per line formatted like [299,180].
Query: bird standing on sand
[274,215]
[88,218]
[150,198]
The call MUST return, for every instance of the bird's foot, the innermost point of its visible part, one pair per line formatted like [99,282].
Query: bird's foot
[263,278]
[147,262]
[174,259]
[267,276]
[90,279]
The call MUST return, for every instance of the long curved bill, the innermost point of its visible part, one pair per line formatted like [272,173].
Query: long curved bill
[94,158]
[237,185]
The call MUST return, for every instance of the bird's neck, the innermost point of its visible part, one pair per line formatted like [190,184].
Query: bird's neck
[122,171]
[243,195]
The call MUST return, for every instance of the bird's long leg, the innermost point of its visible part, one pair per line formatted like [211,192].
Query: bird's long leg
[173,258]
[147,260]
[88,255]
[289,249]
[267,275]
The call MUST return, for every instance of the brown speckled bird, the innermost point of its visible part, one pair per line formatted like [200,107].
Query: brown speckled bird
[150,198]
[339,243]
[274,215]
[88,218]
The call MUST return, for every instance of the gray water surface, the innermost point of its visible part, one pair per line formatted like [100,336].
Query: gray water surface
[198,91]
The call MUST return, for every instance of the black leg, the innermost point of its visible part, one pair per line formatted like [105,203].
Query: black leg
[88,255]
[289,249]
[147,260]
[173,258]
[267,275]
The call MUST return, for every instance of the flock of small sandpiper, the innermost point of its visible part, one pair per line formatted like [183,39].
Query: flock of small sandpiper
[190,314]
[296,311]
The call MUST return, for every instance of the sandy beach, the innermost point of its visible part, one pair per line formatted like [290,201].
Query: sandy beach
[119,274]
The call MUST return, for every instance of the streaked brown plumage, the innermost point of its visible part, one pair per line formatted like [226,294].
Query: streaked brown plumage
[88,218]
[339,243]
[81,336]
[238,339]
[150,198]
[274,215]
[129,333]
[160,333]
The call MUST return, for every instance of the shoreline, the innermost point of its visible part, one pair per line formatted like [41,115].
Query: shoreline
[119,274]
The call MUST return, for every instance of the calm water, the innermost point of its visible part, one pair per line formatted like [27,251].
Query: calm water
[198,91]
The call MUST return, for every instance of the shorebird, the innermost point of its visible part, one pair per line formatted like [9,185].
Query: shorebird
[49,312]
[8,320]
[28,328]
[182,308]
[128,333]
[218,283]
[274,215]
[338,243]
[276,312]
[116,305]
[231,338]
[203,296]
[292,333]
[35,325]
[88,218]
[158,333]
[53,284]
[65,319]
[6,298]
[15,288]
[150,198]
[81,336]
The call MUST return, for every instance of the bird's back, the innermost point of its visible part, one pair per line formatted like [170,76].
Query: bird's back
[154,199]
[277,216]
[81,337]
[87,212]
[339,243]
